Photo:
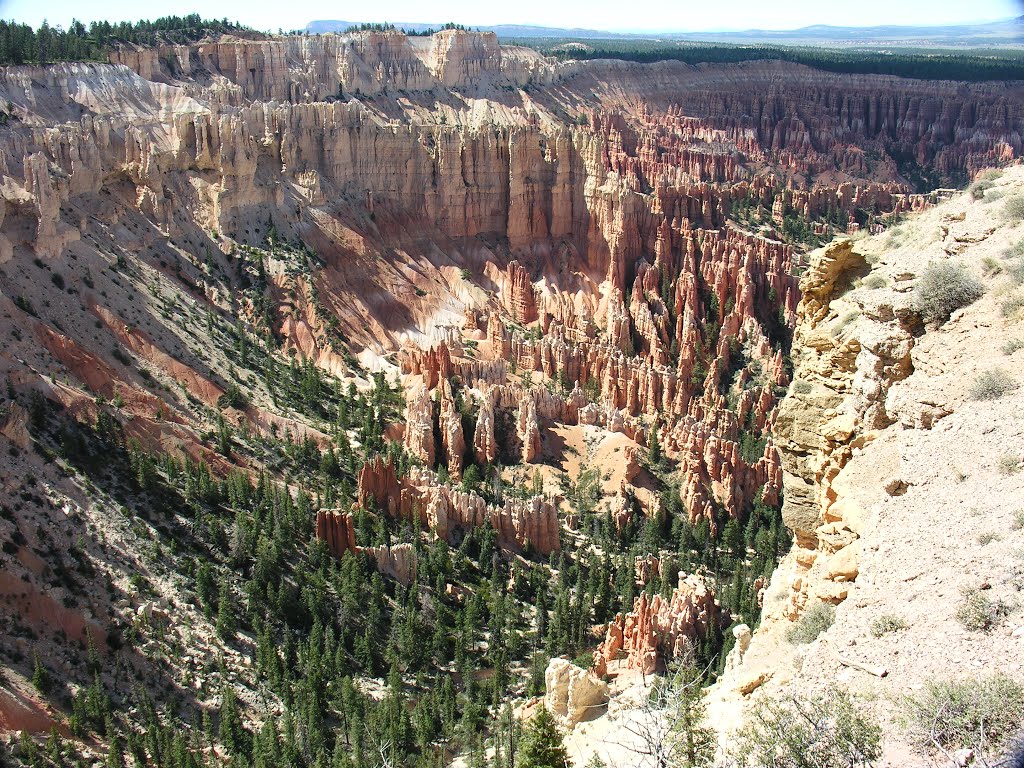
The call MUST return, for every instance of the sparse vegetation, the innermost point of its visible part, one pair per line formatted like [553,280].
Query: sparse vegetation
[1012,305]
[978,612]
[1013,345]
[1013,209]
[1009,464]
[945,288]
[825,731]
[888,623]
[875,281]
[980,187]
[992,385]
[982,714]
[990,267]
[818,618]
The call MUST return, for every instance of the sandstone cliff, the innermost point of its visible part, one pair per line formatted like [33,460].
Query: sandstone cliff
[884,450]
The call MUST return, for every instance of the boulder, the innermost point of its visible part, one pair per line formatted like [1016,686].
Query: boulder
[572,693]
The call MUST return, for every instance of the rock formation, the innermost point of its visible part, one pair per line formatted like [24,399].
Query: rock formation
[337,529]
[446,510]
[842,376]
[571,693]
[658,629]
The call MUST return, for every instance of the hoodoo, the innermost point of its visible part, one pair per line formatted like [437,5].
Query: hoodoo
[369,396]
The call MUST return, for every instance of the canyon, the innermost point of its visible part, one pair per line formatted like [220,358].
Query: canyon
[476,285]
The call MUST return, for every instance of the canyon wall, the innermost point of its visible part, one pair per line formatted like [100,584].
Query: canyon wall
[584,243]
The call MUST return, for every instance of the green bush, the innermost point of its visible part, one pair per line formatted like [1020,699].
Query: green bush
[1012,346]
[883,625]
[980,187]
[981,714]
[978,612]
[1014,209]
[815,620]
[992,384]
[945,288]
[826,731]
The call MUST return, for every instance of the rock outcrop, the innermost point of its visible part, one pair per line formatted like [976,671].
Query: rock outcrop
[844,369]
[572,693]
[446,510]
[337,530]
[658,629]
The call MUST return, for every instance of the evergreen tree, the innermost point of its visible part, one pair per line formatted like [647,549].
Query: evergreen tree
[40,675]
[227,621]
[541,745]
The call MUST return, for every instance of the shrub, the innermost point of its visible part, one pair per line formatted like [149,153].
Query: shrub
[945,288]
[1011,305]
[815,620]
[987,538]
[1016,250]
[1016,272]
[992,384]
[826,731]
[802,387]
[24,305]
[873,282]
[883,625]
[1012,346]
[1014,208]
[1018,520]
[978,612]
[980,187]
[981,714]
[1009,464]
[990,267]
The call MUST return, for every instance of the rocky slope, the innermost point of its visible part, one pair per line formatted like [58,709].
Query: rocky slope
[903,487]
[372,297]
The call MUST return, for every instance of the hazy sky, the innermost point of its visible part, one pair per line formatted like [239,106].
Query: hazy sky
[590,14]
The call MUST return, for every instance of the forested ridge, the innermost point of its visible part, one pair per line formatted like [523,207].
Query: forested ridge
[21,44]
[976,66]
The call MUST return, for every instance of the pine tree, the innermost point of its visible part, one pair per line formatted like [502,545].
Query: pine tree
[227,622]
[655,448]
[40,675]
[541,746]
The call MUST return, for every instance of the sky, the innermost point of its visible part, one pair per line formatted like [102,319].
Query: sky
[608,15]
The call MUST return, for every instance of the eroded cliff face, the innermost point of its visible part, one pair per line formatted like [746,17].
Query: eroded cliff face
[553,263]
[884,452]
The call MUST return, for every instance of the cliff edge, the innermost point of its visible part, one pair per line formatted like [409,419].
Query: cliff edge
[901,473]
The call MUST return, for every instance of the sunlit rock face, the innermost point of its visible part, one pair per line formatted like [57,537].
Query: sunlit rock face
[525,244]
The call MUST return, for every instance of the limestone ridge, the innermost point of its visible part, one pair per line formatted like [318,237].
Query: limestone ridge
[843,370]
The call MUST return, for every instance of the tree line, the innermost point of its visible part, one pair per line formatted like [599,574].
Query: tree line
[972,67]
[21,44]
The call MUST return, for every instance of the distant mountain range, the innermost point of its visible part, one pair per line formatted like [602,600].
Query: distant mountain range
[1001,33]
